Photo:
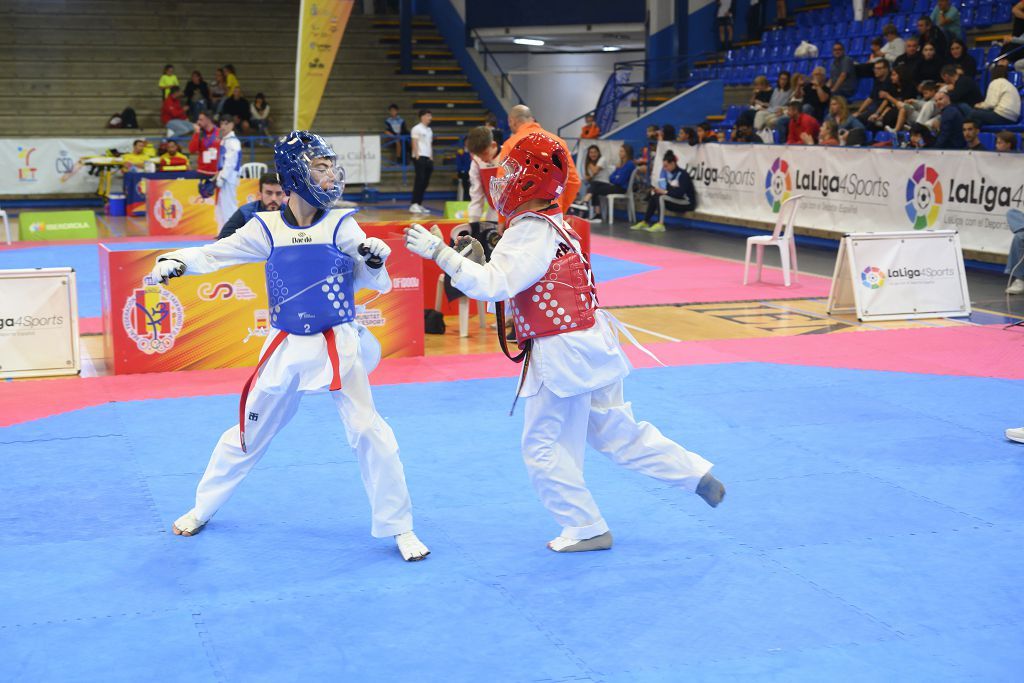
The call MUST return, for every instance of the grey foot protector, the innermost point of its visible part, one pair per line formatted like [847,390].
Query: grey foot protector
[602,542]
[711,490]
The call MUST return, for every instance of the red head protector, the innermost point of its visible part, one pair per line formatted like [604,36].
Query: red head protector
[536,168]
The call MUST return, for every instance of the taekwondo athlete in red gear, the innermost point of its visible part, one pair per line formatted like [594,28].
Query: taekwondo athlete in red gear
[572,377]
[317,259]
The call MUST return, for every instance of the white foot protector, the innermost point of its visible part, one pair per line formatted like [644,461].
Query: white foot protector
[188,524]
[412,548]
[576,545]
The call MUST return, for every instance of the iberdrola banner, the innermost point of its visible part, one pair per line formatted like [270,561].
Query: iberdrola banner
[321,26]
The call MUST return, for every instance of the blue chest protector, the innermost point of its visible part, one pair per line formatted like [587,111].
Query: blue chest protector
[311,288]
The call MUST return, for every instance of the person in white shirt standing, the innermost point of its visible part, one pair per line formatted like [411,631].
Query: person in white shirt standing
[422,159]
[724,21]
[573,364]
[229,167]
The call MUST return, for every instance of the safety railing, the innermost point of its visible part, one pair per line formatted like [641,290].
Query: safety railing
[506,81]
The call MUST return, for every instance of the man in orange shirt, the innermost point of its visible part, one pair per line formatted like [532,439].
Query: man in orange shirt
[590,129]
[522,123]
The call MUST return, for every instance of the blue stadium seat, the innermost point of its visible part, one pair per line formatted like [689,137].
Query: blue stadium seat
[732,113]
[1002,12]
[923,7]
[988,140]
[967,17]
[983,16]
[1016,78]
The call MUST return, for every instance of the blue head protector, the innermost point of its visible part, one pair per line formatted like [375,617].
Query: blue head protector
[294,155]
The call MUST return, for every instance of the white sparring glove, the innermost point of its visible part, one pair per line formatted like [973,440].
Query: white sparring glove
[166,268]
[421,242]
[374,252]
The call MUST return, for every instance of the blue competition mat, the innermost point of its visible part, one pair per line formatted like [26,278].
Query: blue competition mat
[84,258]
[873,530]
[607,268]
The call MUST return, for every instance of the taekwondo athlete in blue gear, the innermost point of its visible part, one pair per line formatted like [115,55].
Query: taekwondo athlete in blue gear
[229,167]
[317,258]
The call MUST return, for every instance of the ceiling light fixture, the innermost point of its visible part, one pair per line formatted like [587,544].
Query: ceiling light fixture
[528,41]
[610,48]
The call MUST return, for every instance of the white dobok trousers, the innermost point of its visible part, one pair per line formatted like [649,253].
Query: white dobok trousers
[227,203]
[555,435]
[368,434]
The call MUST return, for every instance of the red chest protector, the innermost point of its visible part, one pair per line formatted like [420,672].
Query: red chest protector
[563,300]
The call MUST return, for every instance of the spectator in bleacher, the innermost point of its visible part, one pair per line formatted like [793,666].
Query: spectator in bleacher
[705,133]
[883,7]
[781,15]
[617,182]
[172,159]
[866,69]
[828,135]
[674,182]
[961,58]
[1002,101]
[803,128]
[167,81]
[724,21]
[231,79]
[842,73]
[946,16]
[197,95]
[894,46]
[930,66]
[688,135]
[238,108]
[816,94]
[921,137]
[172,114]
[668,132]
[902,91]
[590,130]
[395,129]
[911,58]
[205,144]
[259,114]
[744,133]
[759,98]
[422,160]
[868,111]
[781,95]
[218,90]
[850,130]
[972,143]
[951,123]
[272,198]
[963,91]
[920,110]
[1006,141]
[929,33]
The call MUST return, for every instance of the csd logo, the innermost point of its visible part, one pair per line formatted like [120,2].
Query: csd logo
[225,290]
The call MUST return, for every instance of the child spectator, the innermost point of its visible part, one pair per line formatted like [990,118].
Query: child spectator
[590,129]
[167,80]
[395,129]
[920,110]
[173,116]
[674,182]
[1006,141]
[463,161]
[172,159]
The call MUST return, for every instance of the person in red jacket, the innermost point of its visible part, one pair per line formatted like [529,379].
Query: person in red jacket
[172,114]
[803,128]
[205,144]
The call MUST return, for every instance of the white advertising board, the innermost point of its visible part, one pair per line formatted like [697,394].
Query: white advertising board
[360,155]
[855,190]
[900,275]
[38,323]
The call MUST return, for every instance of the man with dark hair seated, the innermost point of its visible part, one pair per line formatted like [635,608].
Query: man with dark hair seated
[963,90]
[272,198]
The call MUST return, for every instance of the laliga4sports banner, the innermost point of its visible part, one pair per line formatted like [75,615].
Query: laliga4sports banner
[221,320]
[860,189]
[321,26]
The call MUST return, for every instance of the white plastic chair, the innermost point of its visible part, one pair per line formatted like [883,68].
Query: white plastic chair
[461,229]
[781,237]
[627,196]
[253,169]
[7,226]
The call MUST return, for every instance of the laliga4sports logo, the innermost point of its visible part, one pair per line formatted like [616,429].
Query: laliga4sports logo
[778,184]
[924,197]
[872,277]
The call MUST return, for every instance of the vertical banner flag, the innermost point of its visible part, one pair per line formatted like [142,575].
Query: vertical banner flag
[321,26]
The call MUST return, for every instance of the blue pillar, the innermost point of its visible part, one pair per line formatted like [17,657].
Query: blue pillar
[405,11]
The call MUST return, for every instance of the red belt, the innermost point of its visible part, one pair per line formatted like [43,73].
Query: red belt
[332,354]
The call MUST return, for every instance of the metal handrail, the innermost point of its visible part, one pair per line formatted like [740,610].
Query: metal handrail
[481,47]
